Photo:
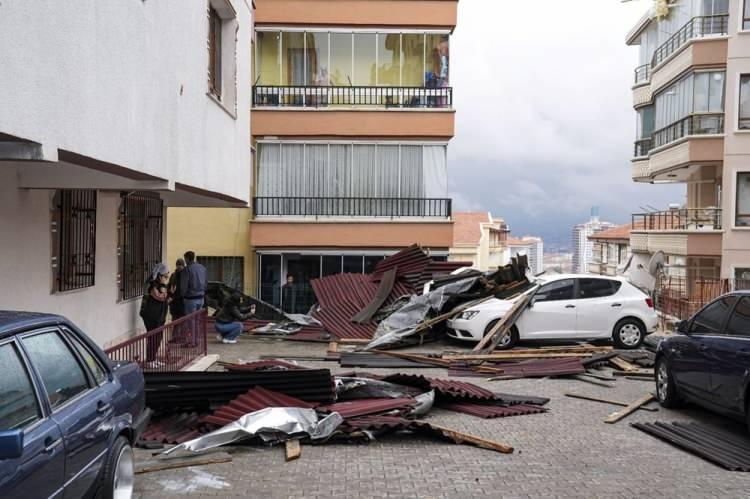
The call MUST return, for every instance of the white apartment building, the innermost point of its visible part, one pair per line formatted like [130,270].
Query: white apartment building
[110,112]
[533,247]
[583,247]
[479,238]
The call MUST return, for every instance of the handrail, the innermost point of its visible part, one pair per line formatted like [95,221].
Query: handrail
[697,27]
[693,124]
[327,96]
[643,146]
[352,206]
[679,219]
[642,74]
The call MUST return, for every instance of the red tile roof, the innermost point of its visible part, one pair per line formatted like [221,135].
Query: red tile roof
[467,228]
[619,233]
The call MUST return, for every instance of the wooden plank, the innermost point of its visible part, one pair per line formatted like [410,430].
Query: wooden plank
[293,450]
[607,401]
[640,373]
[333,346]
[152,465]
[622,364]
[629,409]
[556,350]
[581,377]
[415,357]
[509,355]
[460,437]
[494,335]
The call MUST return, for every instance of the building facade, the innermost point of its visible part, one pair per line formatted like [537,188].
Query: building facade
[532,247]
[691,94]
[352,115]
[611,250]
[481,239]
[583,247]
[133,107]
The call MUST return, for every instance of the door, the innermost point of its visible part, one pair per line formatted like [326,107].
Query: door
[596,307]
[691,355]
[731,359]
[79,407]
[39,472]
[553,313]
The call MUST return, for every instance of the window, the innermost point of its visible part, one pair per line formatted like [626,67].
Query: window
[711,318]
[556,291]
[94,365]
[227,269]
[597,288]
[353,264]
[61,374]
[140,241]
[743,120]
[74,248]
[19,407]
[214,52]
[742,209]
[746,15]
[739,322]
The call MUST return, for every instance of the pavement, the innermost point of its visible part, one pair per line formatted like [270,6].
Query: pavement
[567,452]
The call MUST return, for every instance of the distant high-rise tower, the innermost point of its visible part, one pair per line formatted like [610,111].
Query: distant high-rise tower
[582,246]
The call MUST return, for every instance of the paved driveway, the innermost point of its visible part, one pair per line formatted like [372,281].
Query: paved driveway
[567,452]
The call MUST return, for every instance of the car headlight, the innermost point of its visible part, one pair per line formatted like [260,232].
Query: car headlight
[468,315]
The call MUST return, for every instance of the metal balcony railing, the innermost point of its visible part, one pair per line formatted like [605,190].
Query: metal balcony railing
[694,124]
[352,207]
[643,74]
[682,219]
[697,27]
[643,146]
[324,97]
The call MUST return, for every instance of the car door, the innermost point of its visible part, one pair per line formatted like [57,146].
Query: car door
[596,307]
[691,355]
[730,354]
[553,313]
[78,405]
[39,472]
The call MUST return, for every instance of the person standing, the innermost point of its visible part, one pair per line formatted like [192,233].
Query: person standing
[228,320]
[176,304]
[289,295]
[193,284]
[154,311]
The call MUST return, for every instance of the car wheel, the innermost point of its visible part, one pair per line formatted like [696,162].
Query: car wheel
[118,477]
[506,342]
[666,391]
[628,334]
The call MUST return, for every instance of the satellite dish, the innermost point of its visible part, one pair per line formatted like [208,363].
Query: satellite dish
[656,264]
[624,268]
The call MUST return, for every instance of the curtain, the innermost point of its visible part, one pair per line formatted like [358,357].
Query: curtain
[435,168]
[364,171]
[269,164]
[338,184]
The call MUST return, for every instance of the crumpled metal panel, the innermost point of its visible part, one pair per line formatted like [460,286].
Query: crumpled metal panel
[263,365]
[492,411]
[271,425]
[254,400]
[445,387]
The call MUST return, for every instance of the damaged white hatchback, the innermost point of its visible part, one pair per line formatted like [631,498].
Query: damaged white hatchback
[567,307]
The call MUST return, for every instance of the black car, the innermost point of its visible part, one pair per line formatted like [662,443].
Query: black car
[708,361]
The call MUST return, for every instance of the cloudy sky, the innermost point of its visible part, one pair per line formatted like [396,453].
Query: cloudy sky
[544,123]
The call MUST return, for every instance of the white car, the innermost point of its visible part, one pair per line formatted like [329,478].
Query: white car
[567,306]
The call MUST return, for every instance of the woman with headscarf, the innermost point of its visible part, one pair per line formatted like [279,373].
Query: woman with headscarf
[154,311]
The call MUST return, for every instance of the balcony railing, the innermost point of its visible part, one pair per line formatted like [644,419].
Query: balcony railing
[697,27]
[642,74]
[352,207]
[694,124]
[643,146]
[682,219]
[325,97]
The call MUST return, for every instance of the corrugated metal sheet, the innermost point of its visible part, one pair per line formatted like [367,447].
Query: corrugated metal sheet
[354,408]
[262,365]
[378,361]
[173,429]
[447,388]
[373,422]
[533,368]
[492,411]
[254,400]
[729,450]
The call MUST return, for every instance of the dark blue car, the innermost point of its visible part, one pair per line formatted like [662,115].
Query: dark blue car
[68,415]
[708,361]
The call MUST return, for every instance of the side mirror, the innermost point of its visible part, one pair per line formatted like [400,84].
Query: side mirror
[11,444]
[681,326]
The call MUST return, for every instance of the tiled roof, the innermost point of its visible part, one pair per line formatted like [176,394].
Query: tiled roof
[619,233]
[467,228]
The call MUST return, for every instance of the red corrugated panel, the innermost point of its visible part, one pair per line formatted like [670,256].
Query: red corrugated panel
[446,387]
[354,408]
[254,400]
[376,423]
[532,368]
[262,365]
[174,429]
[493,411]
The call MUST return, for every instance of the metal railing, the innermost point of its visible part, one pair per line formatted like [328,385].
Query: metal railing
[681,219]
[352,207]
[168,348]
[694,124]
[643,146]
[326,96]
[678,298]
[643,74]
[697,27]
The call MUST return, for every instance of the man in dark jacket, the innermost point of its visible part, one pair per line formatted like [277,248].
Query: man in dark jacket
[228,320]
[193,284]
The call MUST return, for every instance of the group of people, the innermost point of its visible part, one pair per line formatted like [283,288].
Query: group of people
[182,293]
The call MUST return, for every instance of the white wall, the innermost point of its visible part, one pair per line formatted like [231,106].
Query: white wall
[125,82]
[26,271]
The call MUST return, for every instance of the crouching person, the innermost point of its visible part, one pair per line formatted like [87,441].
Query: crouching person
[228,320]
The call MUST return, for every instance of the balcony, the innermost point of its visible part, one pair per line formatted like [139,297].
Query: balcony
[642,147]
[642,74]
[679,220]
[697,27]
[350,96]
[352,207]
[694,232]
[694,124]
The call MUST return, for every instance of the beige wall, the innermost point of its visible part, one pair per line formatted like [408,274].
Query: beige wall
[292,234]
[699,53]
[415,13]
[353,123]
[211,232]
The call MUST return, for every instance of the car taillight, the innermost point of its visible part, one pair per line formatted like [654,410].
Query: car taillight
[650,303]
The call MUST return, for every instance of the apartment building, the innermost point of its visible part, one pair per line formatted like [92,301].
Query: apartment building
[112,111]
[479,238]
[532,247]
[583,247]
[611,250]
[352,115]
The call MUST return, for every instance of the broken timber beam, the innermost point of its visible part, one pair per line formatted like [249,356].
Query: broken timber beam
[509,355]
[499,330]
[622,364]
[607,401]
[460,437]
[152,465]
[629,409]
[292,449]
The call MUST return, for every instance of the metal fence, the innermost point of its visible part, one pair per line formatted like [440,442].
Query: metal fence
[642,74]
[168,348]
[677,298]
[681,219]
[140,241]
[75,220]
[352,207]
[697,27]
[643,146]
[326,96]
[694,124]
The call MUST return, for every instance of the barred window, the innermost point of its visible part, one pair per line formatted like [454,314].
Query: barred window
[74,246]
[139,247]
[226,269]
